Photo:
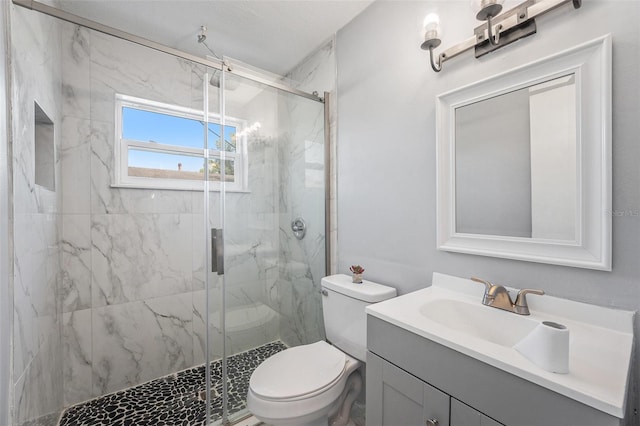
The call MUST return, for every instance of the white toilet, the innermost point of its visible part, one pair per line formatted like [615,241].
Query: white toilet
[316,384]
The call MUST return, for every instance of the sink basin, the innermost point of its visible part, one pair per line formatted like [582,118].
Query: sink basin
[476,320]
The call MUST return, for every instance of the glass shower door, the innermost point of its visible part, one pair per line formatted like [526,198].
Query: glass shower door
[211,300]
[272,207]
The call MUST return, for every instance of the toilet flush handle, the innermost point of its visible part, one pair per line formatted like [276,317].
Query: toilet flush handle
[433,422]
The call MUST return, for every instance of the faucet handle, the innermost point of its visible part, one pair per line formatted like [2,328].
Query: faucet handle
[487,284]
[521,305]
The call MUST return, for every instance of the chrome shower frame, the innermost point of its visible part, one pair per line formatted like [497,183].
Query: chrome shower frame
[105,29]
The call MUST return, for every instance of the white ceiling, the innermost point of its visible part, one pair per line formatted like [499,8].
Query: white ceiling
[272,35]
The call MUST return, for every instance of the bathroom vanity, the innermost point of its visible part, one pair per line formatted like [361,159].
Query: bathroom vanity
[458,371]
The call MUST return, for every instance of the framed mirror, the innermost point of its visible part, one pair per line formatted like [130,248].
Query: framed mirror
[524,162]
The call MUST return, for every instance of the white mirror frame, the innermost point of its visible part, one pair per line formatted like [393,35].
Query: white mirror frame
[591,64]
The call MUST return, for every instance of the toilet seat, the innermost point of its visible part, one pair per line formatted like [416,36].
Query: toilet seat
[299,372]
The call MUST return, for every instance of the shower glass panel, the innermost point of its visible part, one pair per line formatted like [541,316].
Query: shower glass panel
[135,126]
[210,301]
[274,150]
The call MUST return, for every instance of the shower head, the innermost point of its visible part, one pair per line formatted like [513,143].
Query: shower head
[215,79]
[230,83]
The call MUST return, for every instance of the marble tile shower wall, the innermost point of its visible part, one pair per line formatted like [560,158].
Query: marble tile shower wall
[133,298]
[302,262]
[37,347]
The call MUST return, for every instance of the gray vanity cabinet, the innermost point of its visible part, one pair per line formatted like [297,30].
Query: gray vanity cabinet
[411,380]
[396,398]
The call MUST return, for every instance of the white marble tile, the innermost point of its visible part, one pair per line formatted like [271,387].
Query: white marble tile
[140,256]
[77,356]
[121,67]
[246,265]
[25,336]
[75,158]
[300,305]
[76,71]
[38,389]
[36,273]
[76,262]
[47,326]
[42,261]
[103,199]
[200,328]
[138,341]
[317,72]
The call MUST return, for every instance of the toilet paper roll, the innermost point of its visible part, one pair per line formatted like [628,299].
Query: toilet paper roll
[547,346]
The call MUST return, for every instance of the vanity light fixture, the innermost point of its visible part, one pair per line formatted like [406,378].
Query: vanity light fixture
[498,31]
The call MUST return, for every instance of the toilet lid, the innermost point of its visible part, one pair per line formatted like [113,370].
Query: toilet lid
[298,371]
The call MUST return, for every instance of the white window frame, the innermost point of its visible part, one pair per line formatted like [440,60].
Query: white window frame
[122,145]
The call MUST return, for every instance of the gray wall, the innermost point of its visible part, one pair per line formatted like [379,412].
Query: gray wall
[386,147]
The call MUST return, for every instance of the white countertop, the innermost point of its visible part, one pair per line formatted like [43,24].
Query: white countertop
[601,340]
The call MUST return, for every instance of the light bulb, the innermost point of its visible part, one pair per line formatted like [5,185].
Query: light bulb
[431,26]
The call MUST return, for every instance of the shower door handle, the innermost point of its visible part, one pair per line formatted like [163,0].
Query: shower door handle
[217,251]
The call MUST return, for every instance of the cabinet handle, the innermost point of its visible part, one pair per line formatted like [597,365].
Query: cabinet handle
[433,422]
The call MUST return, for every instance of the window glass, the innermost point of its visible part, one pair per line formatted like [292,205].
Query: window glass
[155,127]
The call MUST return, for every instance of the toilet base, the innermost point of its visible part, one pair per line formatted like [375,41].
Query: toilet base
[349,395]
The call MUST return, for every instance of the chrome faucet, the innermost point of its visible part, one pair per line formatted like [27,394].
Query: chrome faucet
[497,296]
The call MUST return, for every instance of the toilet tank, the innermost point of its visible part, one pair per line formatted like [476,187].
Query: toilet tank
[345,320]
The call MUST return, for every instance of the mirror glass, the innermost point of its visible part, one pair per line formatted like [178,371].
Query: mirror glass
[515,163]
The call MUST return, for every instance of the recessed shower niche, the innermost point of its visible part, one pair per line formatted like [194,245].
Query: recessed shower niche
[44,149]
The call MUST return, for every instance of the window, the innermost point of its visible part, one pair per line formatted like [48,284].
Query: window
[162,146]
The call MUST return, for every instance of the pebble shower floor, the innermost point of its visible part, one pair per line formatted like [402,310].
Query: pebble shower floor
[175,399]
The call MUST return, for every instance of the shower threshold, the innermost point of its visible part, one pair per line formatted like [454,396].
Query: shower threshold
[176,399]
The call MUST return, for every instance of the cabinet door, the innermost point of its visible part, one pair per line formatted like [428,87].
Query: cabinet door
[463,415]
[395,397]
